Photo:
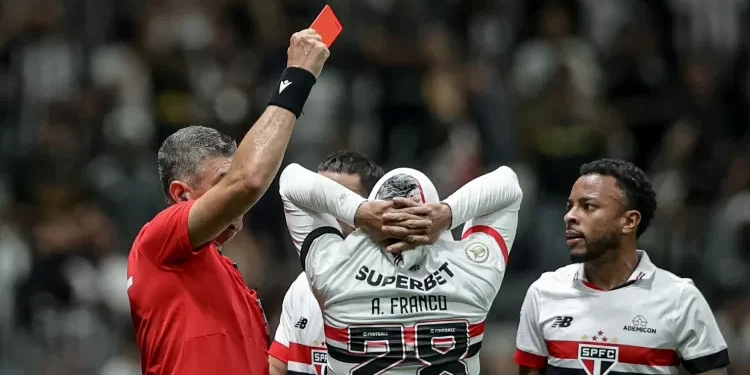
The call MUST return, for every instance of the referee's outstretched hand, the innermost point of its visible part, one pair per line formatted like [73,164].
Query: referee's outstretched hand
[307,51]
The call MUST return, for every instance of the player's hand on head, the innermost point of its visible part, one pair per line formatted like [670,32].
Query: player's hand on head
[307,51]
[415,223]
[369,218]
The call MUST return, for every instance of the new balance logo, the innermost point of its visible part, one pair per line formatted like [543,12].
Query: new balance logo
[398,258]
[562,321]
[284,84]
[301,323]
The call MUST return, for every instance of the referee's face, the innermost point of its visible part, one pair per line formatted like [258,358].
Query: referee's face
[593,217]
[213,171]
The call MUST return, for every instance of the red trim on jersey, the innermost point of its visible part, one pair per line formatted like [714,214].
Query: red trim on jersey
[492,232]
[529,360]
[294,353]
[342,334]
[634,355]
[279,351]
[421,192]
[593,286]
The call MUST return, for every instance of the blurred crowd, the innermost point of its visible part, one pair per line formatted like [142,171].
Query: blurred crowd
[90,88]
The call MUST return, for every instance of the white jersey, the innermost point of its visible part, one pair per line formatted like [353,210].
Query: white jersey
[651,325]
[299,341]
[382,319]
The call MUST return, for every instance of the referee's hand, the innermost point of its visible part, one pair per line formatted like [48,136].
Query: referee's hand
[307,51]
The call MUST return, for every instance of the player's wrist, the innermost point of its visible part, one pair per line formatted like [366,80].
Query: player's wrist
[443,216]
[361,215]
[293,89]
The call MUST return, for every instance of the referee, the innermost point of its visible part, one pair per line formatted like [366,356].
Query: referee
[614,312]
[192,312]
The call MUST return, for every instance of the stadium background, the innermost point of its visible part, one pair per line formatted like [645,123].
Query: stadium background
[89,88]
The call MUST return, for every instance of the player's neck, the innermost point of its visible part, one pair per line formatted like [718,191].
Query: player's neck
[612,270]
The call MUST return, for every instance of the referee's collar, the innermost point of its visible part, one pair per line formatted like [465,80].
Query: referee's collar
[644,271]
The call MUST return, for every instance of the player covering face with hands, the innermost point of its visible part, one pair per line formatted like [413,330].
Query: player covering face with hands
[420,312]
[192,312]
[299,345]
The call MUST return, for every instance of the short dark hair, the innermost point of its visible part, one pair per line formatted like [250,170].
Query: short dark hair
[182,154]
[347,162]
[635,184]
[401,185]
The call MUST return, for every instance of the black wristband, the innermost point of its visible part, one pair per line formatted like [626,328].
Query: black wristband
[293,89]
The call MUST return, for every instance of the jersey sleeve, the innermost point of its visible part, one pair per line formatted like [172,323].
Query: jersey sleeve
[165,240]
[531,349]
[700,344]
[495,199]
[312,203]
[280,348]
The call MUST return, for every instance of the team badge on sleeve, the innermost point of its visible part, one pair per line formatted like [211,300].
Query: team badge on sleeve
[477,252]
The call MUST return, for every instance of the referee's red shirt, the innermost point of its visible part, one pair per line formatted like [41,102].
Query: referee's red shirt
[192,312]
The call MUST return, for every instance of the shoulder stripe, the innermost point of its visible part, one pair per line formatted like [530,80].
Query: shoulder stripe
[492,233]
[311,237]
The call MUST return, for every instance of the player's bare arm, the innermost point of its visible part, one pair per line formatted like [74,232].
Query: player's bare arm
[258,156]
[529,371]
[276,367]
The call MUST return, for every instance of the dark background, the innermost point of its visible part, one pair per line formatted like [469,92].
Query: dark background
[89,89]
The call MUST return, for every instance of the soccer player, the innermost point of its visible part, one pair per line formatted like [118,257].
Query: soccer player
[191,310]
[420,315]
[614,312]
[299,345]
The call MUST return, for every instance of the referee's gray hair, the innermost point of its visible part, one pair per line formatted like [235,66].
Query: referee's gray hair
[401,185]
[182,154]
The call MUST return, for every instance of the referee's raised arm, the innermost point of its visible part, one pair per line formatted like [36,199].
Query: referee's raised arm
[192,312]
[259,155]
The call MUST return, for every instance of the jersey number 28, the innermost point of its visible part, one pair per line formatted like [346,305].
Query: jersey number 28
[439,346]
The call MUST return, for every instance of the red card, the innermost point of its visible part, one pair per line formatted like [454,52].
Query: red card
[327,25]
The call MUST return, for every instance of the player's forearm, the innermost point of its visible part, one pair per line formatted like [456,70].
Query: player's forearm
[485,194]
[259,155]
[529,371]
[315,192]
[276,367]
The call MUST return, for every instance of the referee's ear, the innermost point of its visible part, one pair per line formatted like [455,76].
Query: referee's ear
[630,221]
[179,192]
